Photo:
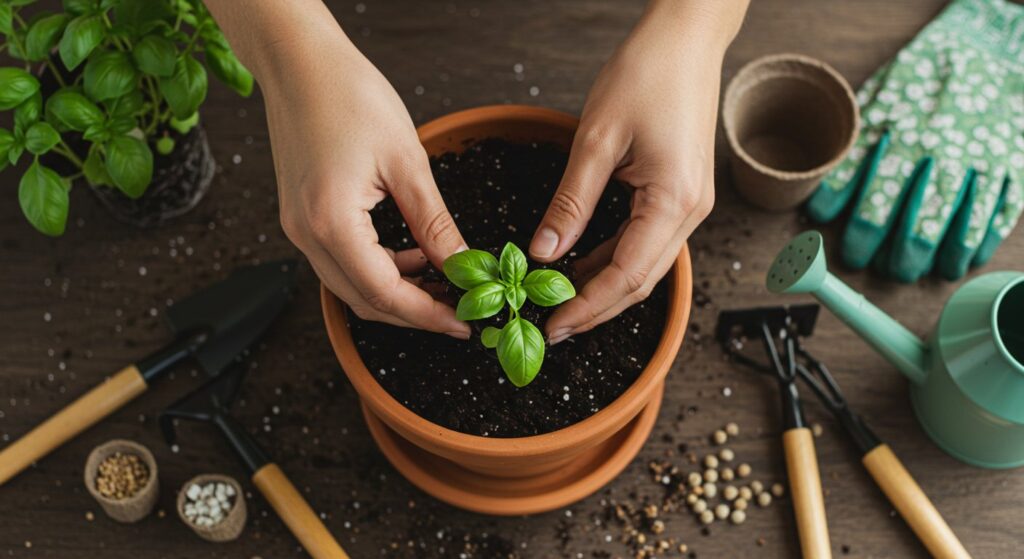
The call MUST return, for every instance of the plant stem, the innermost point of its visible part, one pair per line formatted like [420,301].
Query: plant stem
[63,149]
[56,73]
[17,43]
[117,42]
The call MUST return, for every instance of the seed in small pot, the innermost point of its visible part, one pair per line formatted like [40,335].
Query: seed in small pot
[732,429]
[727,474]
[738,517]
[817,429]
[658,526]
[727,455]
[730,492]
[746,493]
[743,470]
[778,490]
[757,487]
[208,504]
[694,479]
[710,490]
[711,461]
[719,437]
[120,476]
[691,499]
[764,499]
[700,506]
[740,504]
[651,511]
[722,511]
[707,517]
[711,476]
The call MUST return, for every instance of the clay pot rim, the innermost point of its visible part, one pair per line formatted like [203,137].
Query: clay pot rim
[733,89]
[136,448]
[621,410]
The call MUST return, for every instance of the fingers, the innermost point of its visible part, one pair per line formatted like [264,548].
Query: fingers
[592,160]
[412,186]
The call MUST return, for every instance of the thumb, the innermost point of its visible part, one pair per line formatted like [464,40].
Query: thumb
[591,163]
[420,203]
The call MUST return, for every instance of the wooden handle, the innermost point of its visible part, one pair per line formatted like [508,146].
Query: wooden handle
[805,487]
[83,413]
[296,513]
[911,502]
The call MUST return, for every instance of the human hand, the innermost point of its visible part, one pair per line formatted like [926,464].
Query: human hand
[342,141]
[649,121]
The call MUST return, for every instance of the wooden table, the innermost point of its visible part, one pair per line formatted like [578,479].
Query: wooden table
[77,308]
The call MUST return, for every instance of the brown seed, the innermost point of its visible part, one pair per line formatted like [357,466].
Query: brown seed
[743,470]
[89,516]
[764,499]
[683,548]
[727,455]
[710,476]
[817,429]
[719,437]
[651,511]
[746,493]
[740,504]
[778,490]
[727,474]
[757,487]
[707,517]
[722,511]
[658,527]
[730,492]
[732,429]
[711,461]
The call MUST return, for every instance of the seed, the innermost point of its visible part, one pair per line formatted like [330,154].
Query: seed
[726,454]
[740,504]
[711,476]
[722,511]
[745,493]
[732,429]
[651,511]
[120,476]
[743,470]
[691,499]
[778,490]
[727,474]
[738,517]
[699,490]
[700,506]
[711,461]
[658,527]
[757,487]
[683,548]
[89,516]
[764,499]
[730,492]
[720,437]
[707,517]
[710,490]
[817,429]
[694,479]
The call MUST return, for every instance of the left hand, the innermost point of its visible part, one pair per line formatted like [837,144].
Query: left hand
[649,121]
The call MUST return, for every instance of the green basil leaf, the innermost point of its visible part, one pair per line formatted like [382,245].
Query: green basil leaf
[97,133]
[16,85]
[6,144]
[80,37]
[481,302]
[185,89]
[80,6]
[41,137]
[43,197]
[548,288]
[515,295]
[520,351]
[15,152]
[95,169]
[6,19]
[43,36]
[109,75]
[512,264]
[129,164]
[136,14]
[155,55]
[228,69]
[73,110]
[470,268]
[121,125]
[14,47]
[28,112]
[183,126]
[127,105]
[489,337]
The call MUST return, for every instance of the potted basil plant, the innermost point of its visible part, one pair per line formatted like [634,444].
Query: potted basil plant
[108,92]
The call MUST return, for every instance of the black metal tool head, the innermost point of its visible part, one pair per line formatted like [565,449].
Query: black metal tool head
[738,324]
[233,312]
[206,403]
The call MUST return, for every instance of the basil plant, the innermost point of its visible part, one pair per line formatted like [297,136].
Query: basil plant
[120,75]
[490,284]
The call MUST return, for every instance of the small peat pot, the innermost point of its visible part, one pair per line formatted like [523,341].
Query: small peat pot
[789,120]
[213,506]
[498,470]
[122,476]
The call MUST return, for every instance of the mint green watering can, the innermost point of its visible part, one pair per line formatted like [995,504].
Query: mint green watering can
[967,378]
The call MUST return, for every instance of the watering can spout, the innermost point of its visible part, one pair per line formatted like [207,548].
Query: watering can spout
[801,268]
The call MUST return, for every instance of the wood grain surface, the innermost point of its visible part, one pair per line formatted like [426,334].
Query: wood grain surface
[75,308]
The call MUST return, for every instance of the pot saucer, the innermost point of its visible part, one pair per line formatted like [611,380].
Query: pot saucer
[455,485]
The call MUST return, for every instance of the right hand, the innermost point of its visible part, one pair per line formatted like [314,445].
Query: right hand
[342,141]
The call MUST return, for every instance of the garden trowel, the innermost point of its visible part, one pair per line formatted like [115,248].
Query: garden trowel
[214,326]
[211,403]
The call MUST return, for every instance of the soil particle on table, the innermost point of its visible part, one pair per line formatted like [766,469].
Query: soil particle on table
[497,192]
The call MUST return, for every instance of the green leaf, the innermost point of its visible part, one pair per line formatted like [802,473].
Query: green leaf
[134,14]
[6,144]
[43,36]
[6,19]
[80,6]
[481,302]
[489,337]
[512,264]
[41,137]
[183,126]
[16,85]
[520,351]
[121,125]
[470,268]
[95,169]
[73,110]
[109,75]
[15,152]
[155,55]
[129,164]
[185,89]
[127,105]
[80,37]
[28,112]
[97,133]
[43,197]
[548,288]
[515,295]
[228,69]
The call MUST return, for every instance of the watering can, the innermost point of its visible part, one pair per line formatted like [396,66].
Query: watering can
[967,378]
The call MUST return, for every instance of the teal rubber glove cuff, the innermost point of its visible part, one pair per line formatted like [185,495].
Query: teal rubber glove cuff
[935,177]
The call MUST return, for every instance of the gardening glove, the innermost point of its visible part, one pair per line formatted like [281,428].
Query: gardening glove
[938,166]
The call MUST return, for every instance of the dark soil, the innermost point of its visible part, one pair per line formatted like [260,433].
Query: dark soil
[497,192]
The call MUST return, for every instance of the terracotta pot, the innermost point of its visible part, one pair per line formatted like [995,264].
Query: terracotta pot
[513,476]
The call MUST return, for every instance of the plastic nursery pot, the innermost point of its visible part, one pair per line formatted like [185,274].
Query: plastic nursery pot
[140,504]
[233,523]
[789,120]
[524,475]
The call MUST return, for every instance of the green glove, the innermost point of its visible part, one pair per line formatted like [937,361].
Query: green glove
[937,170]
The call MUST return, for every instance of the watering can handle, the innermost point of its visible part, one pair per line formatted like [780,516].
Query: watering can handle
[296,513]
[78,416]
[911,502]
[805,487]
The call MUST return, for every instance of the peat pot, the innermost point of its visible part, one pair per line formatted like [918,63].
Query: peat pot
[524,475]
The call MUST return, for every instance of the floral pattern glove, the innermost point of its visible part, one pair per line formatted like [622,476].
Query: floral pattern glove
[936,173]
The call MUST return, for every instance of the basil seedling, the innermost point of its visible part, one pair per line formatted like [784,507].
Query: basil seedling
[490,283]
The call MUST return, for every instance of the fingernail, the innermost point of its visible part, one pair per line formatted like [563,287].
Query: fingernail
[545,243]
[459,335]
[462,248]
[559,335]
